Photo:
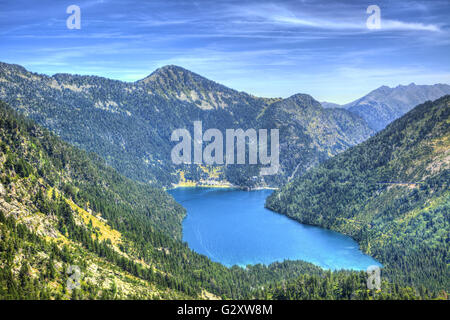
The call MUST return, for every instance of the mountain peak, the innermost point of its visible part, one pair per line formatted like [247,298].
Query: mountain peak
[411,85]
[303,99]
[382,89]
[176,82]
[169,69]
[383,105]
[298,102]
[170,72]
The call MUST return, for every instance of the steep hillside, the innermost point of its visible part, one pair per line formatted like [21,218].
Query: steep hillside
[383,105]
[130,124]
[309,133]
[391,193]
[62,209]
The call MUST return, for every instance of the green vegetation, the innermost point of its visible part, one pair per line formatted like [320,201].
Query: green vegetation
[390,193]
[60,206]
[130,124]
[340,286]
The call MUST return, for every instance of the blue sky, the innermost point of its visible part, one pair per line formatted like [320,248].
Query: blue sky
[267,48]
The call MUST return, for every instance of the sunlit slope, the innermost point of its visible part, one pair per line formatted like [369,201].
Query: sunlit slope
[391,193]
[61,208]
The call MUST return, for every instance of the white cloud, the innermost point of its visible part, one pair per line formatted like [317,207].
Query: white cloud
[325,19]
[399,25]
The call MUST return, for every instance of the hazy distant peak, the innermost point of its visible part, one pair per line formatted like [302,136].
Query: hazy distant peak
[383,105]
[381,90]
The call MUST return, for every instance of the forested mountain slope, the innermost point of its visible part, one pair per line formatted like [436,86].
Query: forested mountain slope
[391,193]
[61,207]
[309,133]
[130,124]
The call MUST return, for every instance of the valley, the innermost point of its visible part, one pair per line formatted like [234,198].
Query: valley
[245,152]
[108,213]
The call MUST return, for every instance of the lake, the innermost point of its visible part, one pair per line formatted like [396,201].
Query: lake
[232,227]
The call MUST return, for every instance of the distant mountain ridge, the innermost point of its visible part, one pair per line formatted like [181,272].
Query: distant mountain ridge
[383,105]
[130,124]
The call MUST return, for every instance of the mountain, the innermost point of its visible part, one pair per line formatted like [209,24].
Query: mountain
[60,206]
[174,82]
[66,218]
[390,193]
[310,134]
[383,105]
[130,124]
[330,105]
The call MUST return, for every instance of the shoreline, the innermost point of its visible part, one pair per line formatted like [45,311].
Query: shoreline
[196,185]
[217,186]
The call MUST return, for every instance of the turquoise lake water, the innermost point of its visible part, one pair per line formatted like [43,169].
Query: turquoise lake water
[233,227]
